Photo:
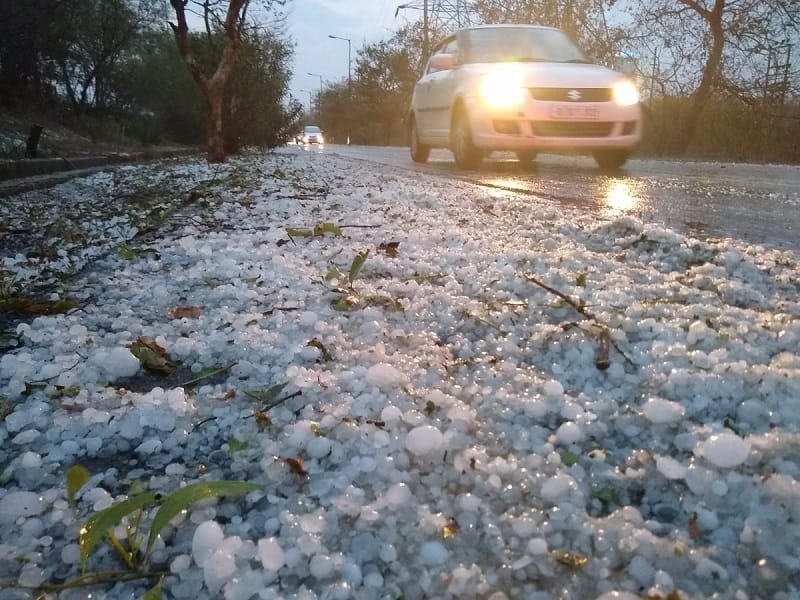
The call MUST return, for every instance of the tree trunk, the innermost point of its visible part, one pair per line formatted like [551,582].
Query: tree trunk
[213,88]
[704,91]
[214,132]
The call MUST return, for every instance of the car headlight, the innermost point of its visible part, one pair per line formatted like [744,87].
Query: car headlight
[321,139]
[502,90]
[625,93]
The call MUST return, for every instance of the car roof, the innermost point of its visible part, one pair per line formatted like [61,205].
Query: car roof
[510,25]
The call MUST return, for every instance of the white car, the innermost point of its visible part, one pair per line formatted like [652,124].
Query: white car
[312,135]
[521,88]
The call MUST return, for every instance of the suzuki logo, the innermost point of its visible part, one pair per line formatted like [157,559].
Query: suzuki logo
[574,95]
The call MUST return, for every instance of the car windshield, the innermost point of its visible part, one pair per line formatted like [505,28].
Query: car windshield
[519,44]
[312,129]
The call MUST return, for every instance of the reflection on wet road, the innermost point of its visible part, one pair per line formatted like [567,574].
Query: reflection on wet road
[757,204]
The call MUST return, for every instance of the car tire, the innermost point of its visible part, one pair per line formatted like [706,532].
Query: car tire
[611,159]
[419,152]
[466,155]
[526,157]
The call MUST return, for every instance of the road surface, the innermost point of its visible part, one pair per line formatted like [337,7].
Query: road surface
[756,204]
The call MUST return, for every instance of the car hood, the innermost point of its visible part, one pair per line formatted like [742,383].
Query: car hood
[560,75]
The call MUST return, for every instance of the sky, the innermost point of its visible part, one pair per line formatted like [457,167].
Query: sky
[310,22]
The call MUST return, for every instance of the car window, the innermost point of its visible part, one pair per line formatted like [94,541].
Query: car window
[312,129]
[504,44]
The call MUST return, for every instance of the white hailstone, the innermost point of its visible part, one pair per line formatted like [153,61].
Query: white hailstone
[312,522]
[469,503]
[351,573]
[569,433]
[397,495]
[308,318]
[187,242]
[321,566]
[20,504]
[660,411]
[318,447]
[207,538]
[384,376]
[724,450]
[151,446]
[670,468]
[18,420]
[71,554]
[388,553]
[553,389]
[558,486]
[697,332]
[180,563]
[119,362]
[425,441]
[218,570]
[373,580]
[26,437]
[433,554]
[31,460]
[391,413]
[537,546]
[523,527]
[270,554]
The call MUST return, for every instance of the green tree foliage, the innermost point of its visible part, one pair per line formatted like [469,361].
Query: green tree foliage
[159,85]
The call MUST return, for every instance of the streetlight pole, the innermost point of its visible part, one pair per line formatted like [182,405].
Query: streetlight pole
[310,93]
[319,93]
[349,77]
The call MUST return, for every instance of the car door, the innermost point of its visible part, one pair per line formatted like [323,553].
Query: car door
[422,101]
[440,91]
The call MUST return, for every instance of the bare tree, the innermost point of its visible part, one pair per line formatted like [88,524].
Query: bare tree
[213,88]
[715,46]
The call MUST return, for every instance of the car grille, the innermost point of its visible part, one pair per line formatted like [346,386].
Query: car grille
[563,94]
[571,128]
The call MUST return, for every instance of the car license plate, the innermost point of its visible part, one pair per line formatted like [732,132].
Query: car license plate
[572,112]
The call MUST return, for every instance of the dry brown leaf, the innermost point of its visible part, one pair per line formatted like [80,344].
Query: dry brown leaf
[187,312]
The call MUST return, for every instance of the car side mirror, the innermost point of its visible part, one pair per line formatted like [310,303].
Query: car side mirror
[442,62]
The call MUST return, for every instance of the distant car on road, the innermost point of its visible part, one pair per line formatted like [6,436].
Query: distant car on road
[311,135]
[521,88]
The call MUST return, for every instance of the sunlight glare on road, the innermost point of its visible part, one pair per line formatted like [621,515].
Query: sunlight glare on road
[620,198]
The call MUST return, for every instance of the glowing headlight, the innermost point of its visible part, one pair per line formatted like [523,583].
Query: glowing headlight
[502,90]
[305,139]
[625,93]
[321,139]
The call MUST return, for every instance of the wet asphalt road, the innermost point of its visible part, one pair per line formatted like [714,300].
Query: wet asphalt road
[754,204]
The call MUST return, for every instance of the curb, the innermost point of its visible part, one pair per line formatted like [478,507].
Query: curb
[27,174]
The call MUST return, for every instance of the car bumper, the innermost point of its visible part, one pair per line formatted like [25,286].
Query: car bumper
[556,126]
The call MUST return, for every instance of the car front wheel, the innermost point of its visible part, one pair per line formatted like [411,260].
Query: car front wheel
[526,156]
[466,155]
[611,159]
[419,152]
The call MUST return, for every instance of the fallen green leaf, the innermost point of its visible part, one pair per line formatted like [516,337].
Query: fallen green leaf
[315,343]
[355,266]
[154,593]
[333,273]
[569,458]
[606,494]
[345,303]
[235,445]
[295,232]
[100,522]
[324,228]
[125,252]
[268,395]
[77,476]
[184,497]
